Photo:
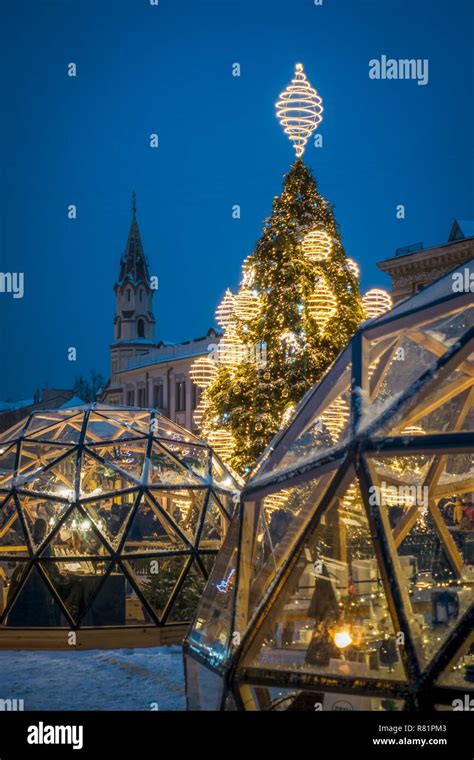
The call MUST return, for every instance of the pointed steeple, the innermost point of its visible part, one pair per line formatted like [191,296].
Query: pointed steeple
[134,322]
[133,264]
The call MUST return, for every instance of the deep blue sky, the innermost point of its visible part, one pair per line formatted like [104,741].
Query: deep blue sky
[167,69]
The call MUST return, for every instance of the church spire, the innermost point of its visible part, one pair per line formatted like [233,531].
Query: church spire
[133,264]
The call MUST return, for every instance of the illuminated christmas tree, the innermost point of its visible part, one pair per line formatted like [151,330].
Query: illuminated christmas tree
[297,306]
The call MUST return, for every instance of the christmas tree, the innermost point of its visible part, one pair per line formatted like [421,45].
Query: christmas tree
[297,306]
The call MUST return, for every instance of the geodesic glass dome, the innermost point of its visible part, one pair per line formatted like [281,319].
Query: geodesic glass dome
[109,516]
[346,578]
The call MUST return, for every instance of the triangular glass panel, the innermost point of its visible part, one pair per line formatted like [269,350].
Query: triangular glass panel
[331,616]
[12,536]
[186,602]
[12,572]
[111,515]
[280,517]
[136,422]
[128,457]
[36,456]
[165,469]
[321,424]
[41,516]
[212,632]
[447,408]
[108,429]
[204,687]
[459,673]
[57,480]
[98,478]
[7,464]
[221,476]
[76,583]
[35,605]
[433,564]
[214,525]
[161,427]
[75,537]
[12,433]
[66,429]
[156,578]
[395,362]
[150,531]
[195,458]
[109,607]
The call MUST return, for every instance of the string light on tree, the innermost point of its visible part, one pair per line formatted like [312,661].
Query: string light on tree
[248,274]
[225,310]
[376,302]
[247,305]
[353,267]
[317,245]
[335,418]
[231,349]
[322,304]
[299,110]
[203,372]
[222,442]
[199,412]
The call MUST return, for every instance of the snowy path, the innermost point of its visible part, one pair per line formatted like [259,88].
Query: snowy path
[118,679]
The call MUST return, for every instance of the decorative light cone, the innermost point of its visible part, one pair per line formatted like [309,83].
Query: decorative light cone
[376,302]
[247,305]
[203,371]
[199,412]
[222,442]
[357,593]
[353,267]
[104,512]
[225,310]
[317,245]
[322,305]
[335,417]
[231,348]
[299,110]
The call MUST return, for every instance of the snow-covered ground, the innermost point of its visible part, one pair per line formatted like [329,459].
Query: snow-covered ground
[116,679]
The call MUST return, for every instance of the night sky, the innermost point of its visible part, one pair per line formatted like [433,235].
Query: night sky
[168,69]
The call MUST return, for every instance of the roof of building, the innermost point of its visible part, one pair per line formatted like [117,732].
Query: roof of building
[462,228]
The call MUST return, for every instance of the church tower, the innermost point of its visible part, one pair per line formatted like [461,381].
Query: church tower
[134,323]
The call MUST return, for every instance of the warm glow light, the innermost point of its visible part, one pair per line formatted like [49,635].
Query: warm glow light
[247,305]
[335,417]
[222,442]
[231,348]
[299,110]
[342,638]
[203,372]
[225,310]
[317,245]
[376,302]
[353,267]
[248,273]
[199,412]
[277,500]
[322,305]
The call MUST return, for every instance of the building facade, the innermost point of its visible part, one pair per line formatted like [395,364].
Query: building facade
[146,372]
[414,267]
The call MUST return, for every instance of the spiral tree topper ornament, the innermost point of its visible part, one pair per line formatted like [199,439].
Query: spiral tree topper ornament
[299,110]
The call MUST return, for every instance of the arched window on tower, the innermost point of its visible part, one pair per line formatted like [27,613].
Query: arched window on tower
[141,294]
[119,328]
[141,328]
